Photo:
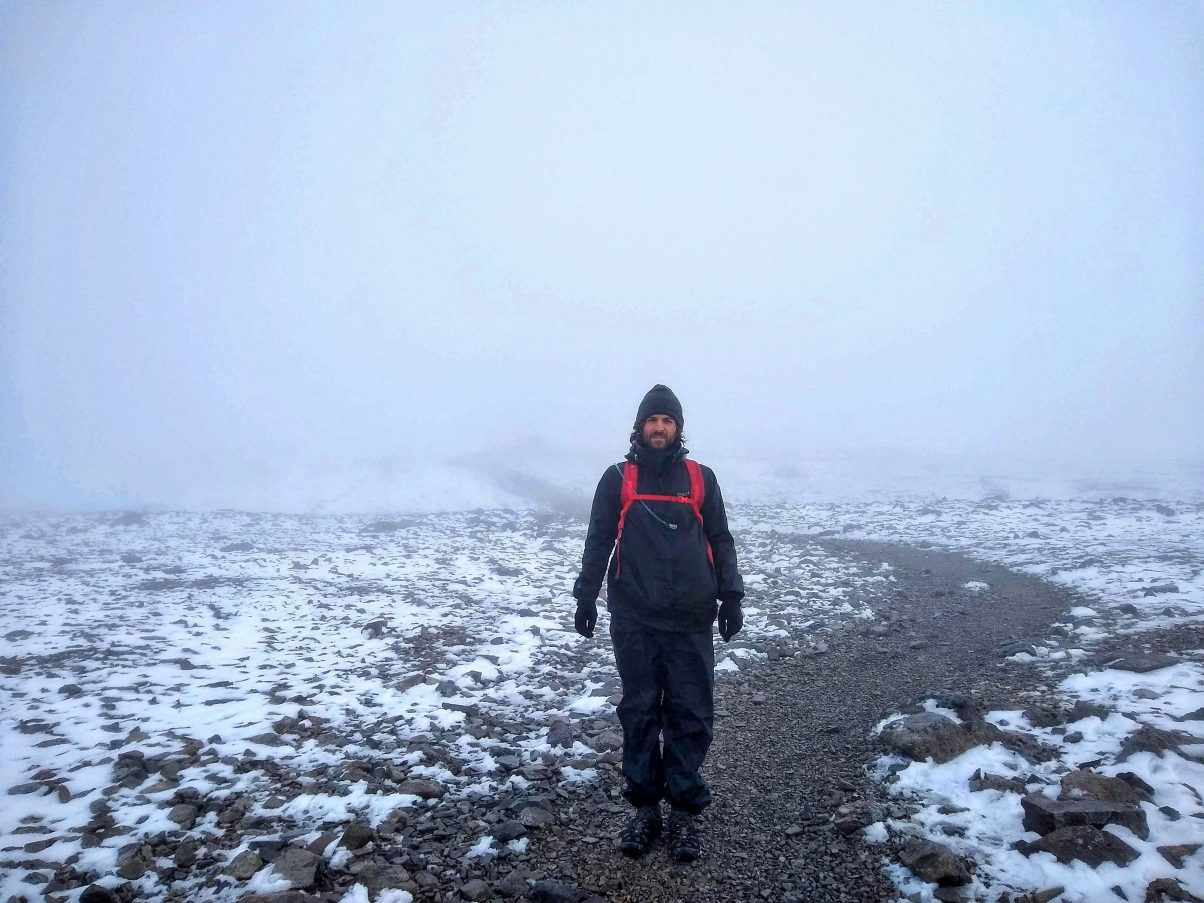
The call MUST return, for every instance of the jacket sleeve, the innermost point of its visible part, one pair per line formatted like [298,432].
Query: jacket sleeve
[600,540]
[723,547]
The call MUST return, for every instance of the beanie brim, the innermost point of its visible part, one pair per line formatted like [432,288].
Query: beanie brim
[660,400]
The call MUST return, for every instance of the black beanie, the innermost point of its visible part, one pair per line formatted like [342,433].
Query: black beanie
[660,400]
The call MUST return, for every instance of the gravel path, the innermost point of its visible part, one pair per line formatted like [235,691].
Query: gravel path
[793,739]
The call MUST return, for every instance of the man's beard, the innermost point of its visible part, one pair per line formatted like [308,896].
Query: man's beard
[664,439]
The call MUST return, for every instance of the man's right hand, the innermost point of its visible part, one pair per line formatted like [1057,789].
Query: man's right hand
[731,619]
[585,618]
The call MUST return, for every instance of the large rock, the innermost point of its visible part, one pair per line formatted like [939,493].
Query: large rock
[985,780]
[244,865]
[1158,589]
[852,817]
[1153,740]
[183,814]
[512,886]
[966,707]
[1049,713]
[535,817]
[1085,784]
[269,850]
[185,855]
[1084,843]
[1144,790]
[133,860]
[928,736]
[1163,889]
[298,867]
[428,790]
[266,739]
[475,889]
[319,844]
[560,734]
[509,830]
[1084,709]
[96,894]
[551,892]
[934,862]
[1043,815]
[1008,648]
[376,628]
[408,683]
[1177,853]
[1135,660]
[356,835]
[607,740]
[1026,745]
[381,876]
[130,769]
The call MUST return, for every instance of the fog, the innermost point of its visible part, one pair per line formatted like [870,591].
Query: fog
[296,245]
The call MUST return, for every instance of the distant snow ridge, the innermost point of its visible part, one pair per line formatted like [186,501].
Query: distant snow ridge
[534,474]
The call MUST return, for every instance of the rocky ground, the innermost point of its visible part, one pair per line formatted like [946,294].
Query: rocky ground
[302,747]
[794,738]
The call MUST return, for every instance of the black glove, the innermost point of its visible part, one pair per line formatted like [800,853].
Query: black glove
[731,619]
[586,617]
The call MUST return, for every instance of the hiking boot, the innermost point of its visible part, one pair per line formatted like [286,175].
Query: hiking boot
[684,844]
[641,831]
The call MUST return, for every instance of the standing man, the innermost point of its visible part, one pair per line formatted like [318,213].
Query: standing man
[662,516]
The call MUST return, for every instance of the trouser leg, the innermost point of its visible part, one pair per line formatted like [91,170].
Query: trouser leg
[642,673]
[687,716]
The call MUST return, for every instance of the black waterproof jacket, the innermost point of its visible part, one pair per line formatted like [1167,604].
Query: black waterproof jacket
[661,577]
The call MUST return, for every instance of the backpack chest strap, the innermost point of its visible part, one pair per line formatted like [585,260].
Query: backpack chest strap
[630,494]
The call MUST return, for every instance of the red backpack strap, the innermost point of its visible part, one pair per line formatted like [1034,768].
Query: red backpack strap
[698,489]
[698,494]
[631,476]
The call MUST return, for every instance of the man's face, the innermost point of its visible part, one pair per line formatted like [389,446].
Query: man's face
[659,431]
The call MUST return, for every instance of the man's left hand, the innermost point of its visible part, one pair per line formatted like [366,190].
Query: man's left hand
[731,620]
[585,618]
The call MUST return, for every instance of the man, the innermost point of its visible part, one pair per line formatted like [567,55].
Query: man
[662,516]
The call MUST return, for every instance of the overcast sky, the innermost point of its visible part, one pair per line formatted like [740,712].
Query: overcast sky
[236,233]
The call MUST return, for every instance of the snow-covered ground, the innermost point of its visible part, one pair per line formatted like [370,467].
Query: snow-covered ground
[990,821]
[1140,561]
[172,634]
[1138,565]
[166,634]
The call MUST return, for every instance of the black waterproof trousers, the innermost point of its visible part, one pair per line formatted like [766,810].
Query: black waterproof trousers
[668,682]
